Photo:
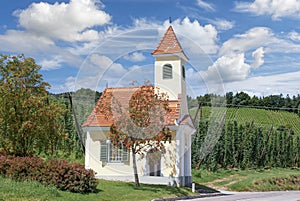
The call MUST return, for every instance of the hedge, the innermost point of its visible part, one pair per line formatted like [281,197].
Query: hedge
[63,175]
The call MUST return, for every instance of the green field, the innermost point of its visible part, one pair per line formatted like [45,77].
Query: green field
[260,117]
[250,180]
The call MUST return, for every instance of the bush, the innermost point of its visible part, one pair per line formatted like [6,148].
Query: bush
[63,175]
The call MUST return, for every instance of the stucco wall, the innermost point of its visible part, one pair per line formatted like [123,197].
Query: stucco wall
[167,162]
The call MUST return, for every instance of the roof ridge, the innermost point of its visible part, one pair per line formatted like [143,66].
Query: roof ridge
[124,88]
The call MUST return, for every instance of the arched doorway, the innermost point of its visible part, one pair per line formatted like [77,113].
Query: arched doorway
[154,162]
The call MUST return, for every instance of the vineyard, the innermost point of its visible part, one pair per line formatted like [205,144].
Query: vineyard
[260,117]
[245,138]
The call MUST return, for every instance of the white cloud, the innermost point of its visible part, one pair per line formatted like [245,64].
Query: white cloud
[142,35]
[223,24]
[95,71]
[64,21]
[294,36]
[104,66]
[229,68]
[192,74]
[205,5]
[53,63]
[136,74]
[21,41]
[253,38]
[100,71]
[259,37]
[287,83]
[276,8]
[206,37]
[231,65]
[258,56]
[88,35]
[135,57]
[69,84]
[46,27]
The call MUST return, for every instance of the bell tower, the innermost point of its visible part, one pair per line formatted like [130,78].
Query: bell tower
[169,72]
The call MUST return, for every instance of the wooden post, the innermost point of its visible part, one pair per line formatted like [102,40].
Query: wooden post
[197,111]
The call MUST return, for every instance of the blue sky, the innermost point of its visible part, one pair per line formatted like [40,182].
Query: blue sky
[250,46]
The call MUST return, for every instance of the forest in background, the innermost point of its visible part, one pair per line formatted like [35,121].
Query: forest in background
[242,99]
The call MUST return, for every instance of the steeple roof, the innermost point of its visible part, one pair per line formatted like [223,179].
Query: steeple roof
[169,44]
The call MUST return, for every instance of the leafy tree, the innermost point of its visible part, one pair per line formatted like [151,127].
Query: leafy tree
[29,123]
[206,99]
[229,98]
[255,101]
[241,98]
[139,125]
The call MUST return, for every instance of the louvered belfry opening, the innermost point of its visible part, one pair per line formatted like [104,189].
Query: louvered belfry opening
[167,71]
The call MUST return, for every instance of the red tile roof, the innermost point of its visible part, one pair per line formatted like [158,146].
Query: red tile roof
[169,44]
[123,96]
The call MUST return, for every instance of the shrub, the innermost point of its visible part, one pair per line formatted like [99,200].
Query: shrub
[63,175]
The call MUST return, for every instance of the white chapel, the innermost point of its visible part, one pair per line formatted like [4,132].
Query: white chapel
[173,167]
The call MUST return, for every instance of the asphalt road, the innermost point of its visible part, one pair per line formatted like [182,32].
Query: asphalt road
[255,196]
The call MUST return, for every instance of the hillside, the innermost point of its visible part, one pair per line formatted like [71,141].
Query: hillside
[261,117]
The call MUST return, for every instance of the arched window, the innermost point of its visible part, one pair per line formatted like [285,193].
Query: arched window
[167,71]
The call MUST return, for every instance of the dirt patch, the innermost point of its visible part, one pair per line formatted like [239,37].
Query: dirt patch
[231,180]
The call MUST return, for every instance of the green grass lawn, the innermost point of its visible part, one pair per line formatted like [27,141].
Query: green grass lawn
[107,190]
[235,180]
[250,180]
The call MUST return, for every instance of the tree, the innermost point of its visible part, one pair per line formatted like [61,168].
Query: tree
[139,125]
[229,98]
[29,123]
[241,98]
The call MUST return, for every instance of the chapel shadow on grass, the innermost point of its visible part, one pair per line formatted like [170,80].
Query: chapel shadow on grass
[172,190]
[204,189]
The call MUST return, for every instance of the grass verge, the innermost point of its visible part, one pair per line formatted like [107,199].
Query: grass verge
[107,190]
[250,180]
[235,180]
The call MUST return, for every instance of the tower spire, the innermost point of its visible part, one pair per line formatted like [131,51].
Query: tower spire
[169,44]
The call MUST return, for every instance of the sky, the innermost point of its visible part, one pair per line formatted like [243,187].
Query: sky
[251,46]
